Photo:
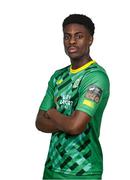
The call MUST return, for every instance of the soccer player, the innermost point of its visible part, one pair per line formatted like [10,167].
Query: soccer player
[73,106]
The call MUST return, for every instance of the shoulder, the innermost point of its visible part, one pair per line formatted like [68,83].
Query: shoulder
[95,76]
[62,70]
[96,72]
[58,73]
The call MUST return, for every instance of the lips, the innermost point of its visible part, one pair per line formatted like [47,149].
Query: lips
[72,49]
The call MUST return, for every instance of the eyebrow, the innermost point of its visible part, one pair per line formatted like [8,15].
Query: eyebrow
[66,33]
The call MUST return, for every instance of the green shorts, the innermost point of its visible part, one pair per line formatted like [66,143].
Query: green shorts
[48,174]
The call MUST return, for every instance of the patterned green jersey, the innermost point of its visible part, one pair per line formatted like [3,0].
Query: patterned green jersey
[85,89]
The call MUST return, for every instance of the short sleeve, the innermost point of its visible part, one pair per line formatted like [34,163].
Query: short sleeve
[48,100]
[93,89]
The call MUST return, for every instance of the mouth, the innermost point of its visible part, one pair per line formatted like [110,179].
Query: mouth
[72,49]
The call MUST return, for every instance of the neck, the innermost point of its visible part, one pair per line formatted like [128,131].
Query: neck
[79,62]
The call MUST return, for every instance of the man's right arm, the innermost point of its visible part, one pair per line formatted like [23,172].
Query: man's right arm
[44,123]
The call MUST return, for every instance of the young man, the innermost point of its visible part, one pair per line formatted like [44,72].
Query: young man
[73,107]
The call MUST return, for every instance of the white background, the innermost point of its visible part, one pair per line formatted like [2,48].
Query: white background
[31,49]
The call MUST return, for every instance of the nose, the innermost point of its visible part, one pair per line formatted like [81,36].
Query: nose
[72,40]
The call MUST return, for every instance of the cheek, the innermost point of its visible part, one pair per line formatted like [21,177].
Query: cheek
[84,47]
[65,44]
[84,44]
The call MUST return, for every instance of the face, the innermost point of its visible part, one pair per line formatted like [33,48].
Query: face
[77,41]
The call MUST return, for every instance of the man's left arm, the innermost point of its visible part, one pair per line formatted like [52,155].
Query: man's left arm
[72,125]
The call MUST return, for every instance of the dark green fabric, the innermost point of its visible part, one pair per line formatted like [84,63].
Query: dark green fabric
[53,175]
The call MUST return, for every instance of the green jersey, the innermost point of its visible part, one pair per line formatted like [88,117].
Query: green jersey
[85,89]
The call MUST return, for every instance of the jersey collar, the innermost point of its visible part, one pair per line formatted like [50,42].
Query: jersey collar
[82,67]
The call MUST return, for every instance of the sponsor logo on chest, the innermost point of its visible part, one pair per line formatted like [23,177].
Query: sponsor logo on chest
[66,101]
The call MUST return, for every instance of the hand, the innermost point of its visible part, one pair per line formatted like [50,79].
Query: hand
[50,111]
[46,115]
[73,114]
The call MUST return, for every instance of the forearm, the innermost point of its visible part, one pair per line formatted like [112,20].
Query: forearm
[63,122]
[44,123]
[72,125]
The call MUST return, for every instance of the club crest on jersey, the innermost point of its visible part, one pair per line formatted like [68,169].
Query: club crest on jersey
[94,93]
[76,83]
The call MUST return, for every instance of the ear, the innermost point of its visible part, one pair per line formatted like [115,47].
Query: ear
[90,40]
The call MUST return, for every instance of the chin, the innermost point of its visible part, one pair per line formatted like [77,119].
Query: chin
[74,56]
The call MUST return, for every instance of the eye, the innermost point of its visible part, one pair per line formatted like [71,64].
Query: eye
[66,37]
[79,36]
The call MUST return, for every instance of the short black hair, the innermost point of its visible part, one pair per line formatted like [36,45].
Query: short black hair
[80,19]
